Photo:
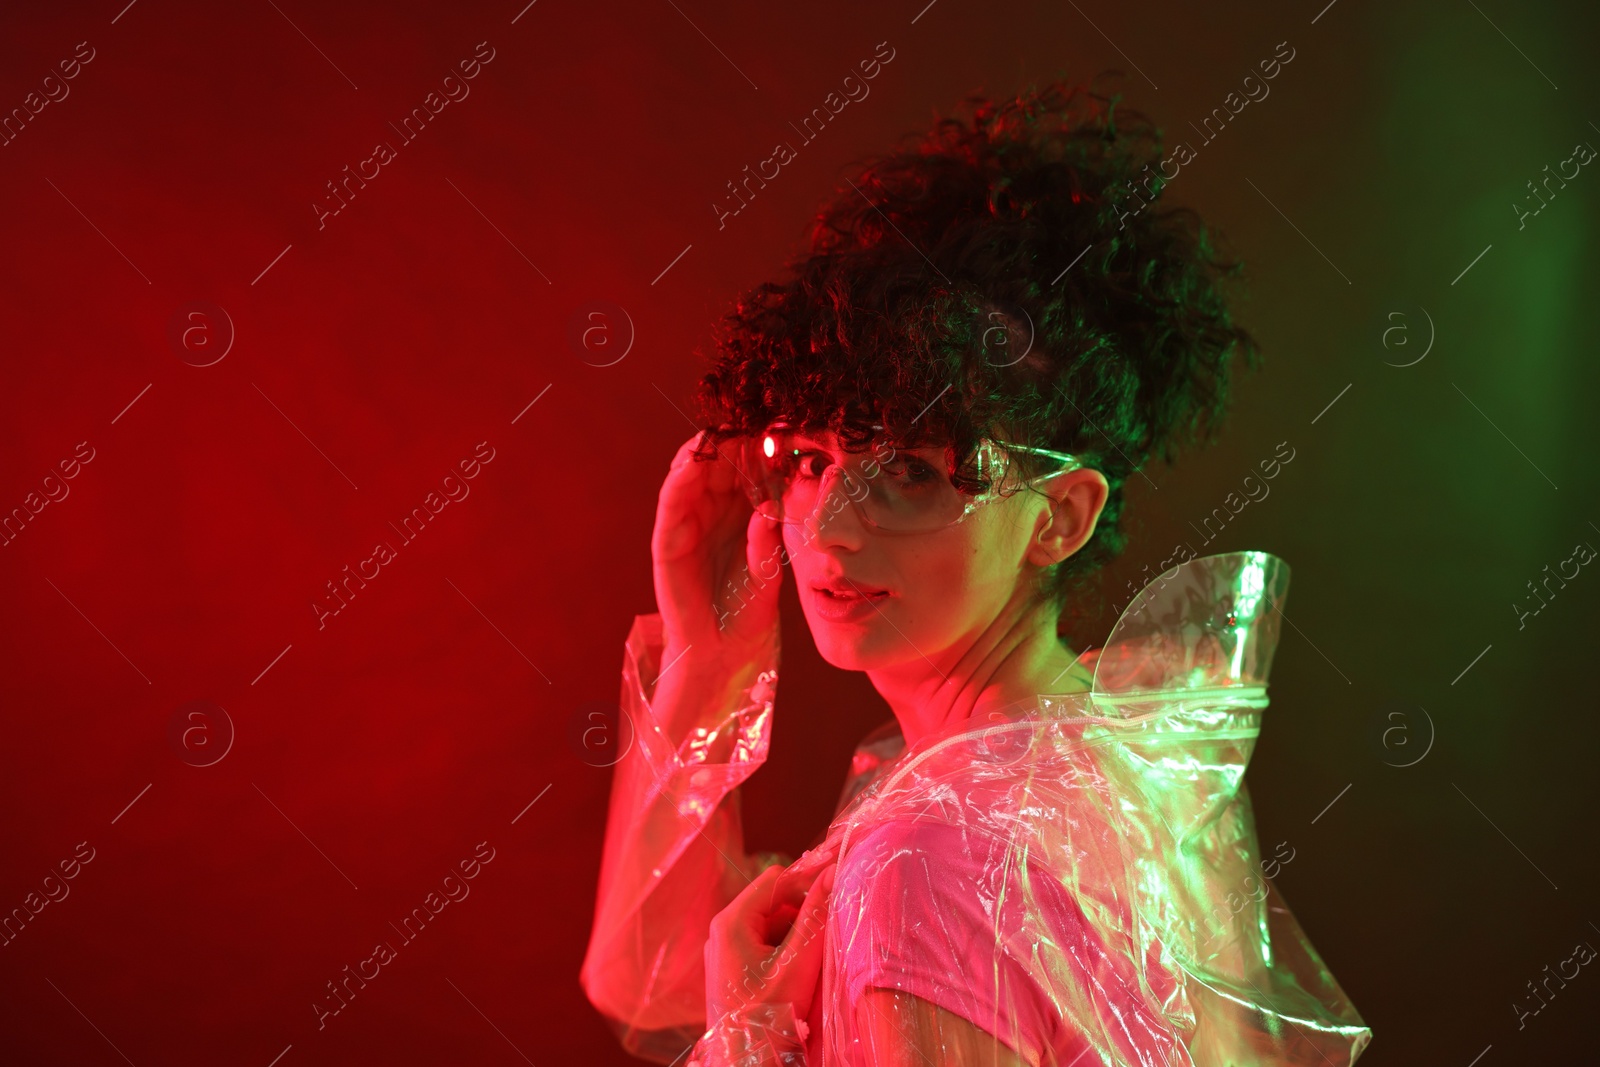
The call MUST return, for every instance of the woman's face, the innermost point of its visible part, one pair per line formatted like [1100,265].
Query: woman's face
[927,591]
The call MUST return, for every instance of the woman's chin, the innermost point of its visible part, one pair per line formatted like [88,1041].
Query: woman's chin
[847,648]
[839,651]
[857,648]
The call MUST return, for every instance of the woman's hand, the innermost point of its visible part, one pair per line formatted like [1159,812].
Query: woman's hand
[708,545]
[766,946]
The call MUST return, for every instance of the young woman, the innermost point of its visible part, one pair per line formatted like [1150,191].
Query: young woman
[1048,857]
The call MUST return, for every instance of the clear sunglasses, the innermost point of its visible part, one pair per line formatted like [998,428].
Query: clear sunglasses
[895,492]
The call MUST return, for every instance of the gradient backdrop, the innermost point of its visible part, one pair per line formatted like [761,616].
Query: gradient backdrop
[159,213]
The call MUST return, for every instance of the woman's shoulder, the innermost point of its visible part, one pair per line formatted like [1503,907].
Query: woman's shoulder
[957,819]
[935,840]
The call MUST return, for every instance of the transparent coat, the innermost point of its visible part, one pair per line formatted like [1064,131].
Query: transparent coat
[1087,863]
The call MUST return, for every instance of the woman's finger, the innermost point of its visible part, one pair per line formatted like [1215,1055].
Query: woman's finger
[764,554]
[747,913]
[723,472]
[694,524]
[806,915]
[681,457]
[801,952]
[804,871]
[814,909]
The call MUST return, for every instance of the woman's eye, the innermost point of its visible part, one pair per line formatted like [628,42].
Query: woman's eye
[811,464]
[911,470]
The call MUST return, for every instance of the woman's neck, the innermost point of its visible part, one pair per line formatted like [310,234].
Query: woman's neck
[1013,659]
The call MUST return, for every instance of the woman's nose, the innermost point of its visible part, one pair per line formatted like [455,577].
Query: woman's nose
[832,501]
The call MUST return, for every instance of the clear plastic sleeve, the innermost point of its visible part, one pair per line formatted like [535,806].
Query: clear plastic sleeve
[674,852]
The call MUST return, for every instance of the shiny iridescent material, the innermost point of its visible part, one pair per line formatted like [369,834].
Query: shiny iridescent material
[1129,897]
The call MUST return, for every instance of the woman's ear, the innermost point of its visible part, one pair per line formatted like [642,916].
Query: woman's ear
[1076,500]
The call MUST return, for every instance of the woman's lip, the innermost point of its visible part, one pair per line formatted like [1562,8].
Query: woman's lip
[845,608]
[849,593]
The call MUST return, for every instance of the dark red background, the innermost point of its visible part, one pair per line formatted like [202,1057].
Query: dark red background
[379,350]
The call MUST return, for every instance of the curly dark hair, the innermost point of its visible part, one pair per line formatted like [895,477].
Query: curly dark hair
[934,305]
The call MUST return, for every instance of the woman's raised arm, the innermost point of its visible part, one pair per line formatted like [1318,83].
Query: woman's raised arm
[697,687]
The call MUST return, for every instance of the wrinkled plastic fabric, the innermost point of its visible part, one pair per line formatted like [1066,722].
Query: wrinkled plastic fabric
[1129,896]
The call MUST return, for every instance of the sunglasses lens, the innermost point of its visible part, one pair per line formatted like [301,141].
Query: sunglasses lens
[897,491]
